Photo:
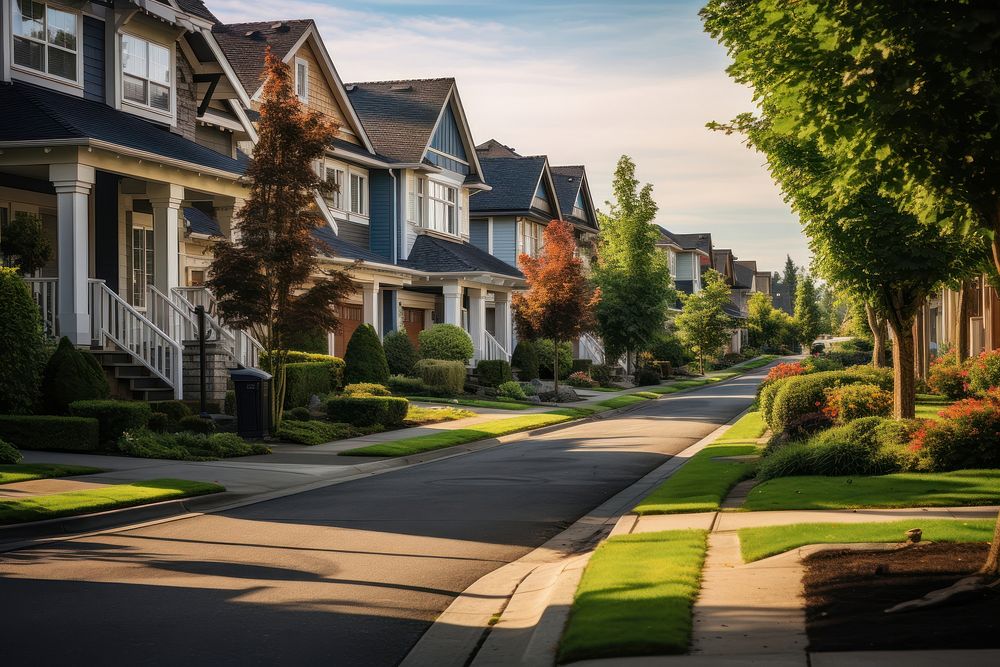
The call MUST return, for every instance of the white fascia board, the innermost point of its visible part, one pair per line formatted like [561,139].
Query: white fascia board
[335,83]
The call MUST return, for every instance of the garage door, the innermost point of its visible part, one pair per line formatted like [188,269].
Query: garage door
[350,319]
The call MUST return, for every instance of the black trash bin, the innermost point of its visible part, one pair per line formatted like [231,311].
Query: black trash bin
[253,403]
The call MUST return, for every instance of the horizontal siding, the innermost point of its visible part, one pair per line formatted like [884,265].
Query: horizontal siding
[479,234]
[505,240]
[380,213]
[353,232]
[93,59]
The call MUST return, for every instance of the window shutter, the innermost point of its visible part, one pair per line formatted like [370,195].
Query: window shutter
[411,198]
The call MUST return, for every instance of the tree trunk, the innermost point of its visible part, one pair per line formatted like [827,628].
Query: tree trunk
[961,328]
[919,345]
[879,333]
[992,565]
[904,381]
[555,367]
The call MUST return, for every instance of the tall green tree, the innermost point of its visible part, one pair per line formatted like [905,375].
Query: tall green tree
[790,283]
[269,281]
[632,274]
[807,311]
[763,323]
[703,324]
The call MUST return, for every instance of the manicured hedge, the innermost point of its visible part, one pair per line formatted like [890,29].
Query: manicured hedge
[802,394]
[365,358]
[400,353]
[525,360]
[22,354]
[47,432]
[71,375]
[445,341]
[367,389]
[387,411]
[175,410]
[440,376]
[113,417]
[493,373]
[401,384]
[302,380]
[9,454]
[334,364]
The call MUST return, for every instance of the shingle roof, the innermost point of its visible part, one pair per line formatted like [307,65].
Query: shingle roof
[513,180]
[245,45]
[437,255]
[32,113]
[494,148]
[568,181]
[744,276]
[334,246]
[693,241]
[197,8]
[200,222]
[399,116]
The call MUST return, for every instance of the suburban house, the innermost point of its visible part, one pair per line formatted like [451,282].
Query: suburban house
[943,319]
[121,131]
[403,169]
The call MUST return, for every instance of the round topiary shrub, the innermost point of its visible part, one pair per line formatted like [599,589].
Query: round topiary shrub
[299,414]
[196,424]
[367,389]
[400,353]
[525,361]
[984,372]
[365,358]
[22,347]
[70,376]
[803,394]
[446,341]
[9,454]
[512,390]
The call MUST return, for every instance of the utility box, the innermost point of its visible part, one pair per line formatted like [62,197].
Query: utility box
[253,401]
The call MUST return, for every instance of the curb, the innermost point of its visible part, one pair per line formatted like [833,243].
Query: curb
[21,536]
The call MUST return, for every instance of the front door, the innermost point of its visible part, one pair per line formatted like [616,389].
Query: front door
[413,322]
[350,319]
[140,254]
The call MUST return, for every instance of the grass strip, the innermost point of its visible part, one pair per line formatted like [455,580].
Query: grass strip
[474,402]
[417,414]
[750,427]
[460,436]
[764,541]
[25,472]
[622,401]
[701,484]
[928,408]
[72,503]
[606,389]
[635,597]
[905,489]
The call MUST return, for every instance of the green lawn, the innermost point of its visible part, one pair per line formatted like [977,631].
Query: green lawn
[906,489]
[635,597]
[607,389]
[493,429]
[38,508]
[701,484]
[24,472]
[928,406]
[474,402]
[417,414]
[749,428]
[757,543]
[622,401]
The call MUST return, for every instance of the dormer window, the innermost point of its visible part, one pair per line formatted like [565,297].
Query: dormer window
[46,40]
[146,74]
[302,80]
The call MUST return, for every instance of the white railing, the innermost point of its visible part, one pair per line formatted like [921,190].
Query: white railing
[112,318]
[172,319]
[591,349]
[242,348]
[45,291]
[492,350]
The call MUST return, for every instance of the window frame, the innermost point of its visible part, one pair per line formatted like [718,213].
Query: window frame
[304,97]
[329,169]
[75,85]
[363,196]
[433,198]
[146,109]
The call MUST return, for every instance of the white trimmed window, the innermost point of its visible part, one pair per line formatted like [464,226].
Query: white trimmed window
[146,74]
[359,194]
[420,194]
[442,207]
[46,40]
[528,241]
[302,79]
[335,181]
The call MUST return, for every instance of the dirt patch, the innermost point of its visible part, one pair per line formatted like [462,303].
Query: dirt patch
[847,594]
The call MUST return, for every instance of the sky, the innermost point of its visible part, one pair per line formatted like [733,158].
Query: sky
[584,82]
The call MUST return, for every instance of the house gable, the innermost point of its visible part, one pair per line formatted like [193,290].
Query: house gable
[447,147]
[544,198]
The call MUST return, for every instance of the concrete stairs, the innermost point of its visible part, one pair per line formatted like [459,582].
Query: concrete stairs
[129,379]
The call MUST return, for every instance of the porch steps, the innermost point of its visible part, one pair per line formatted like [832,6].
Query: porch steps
[130,380]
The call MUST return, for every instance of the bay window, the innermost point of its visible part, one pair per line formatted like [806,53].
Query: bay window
[146,73]
[46,39]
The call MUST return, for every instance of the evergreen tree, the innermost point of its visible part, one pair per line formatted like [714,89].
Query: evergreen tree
[807,312]
[789,283]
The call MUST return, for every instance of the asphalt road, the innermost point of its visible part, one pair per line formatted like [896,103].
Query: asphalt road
[351,574]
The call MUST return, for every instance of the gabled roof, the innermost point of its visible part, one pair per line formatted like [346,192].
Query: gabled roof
[196,8]
[744,275]
[245,45]
[514,181]
[494,148]
[436,255]
[31,113]
[332,245]
[571,181]
[701,242]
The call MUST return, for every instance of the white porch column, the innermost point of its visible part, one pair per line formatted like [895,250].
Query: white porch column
[166,200]
[370,305]
[72,183]
[477,320]
[504,321]
[453,304]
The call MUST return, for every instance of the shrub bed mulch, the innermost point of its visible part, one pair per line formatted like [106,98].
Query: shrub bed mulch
[847,593]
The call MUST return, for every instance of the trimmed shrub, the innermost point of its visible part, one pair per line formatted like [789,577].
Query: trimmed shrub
[401,384]
[849,358]
[799,429]
[852,449]
[175,410]
[399,352]
[511,390]
[581,379]
[781,371]
[582,365]
[311,340]
[545,348]
[316,432]
[647,375]
[366,389]
[298,415]
[229,404]
[195,424]
[806,393]
[601,374]
[966,436]
[948,377]
[855,345]
[493,373]
[45,432]
[525,361]
[445,341]
[186,446]
[818,364]
[442,377]
[766,394]
[668,347]
[853,401]
[113,417]
[984,372]
[305,380]
[70,376]
[158,422]
[386,411]
[9,454]
[334,364]
[22,345]
[365,358]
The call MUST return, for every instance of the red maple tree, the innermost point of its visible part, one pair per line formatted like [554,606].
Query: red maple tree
[559,302]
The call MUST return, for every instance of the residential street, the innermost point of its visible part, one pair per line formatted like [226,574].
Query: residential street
[353,573]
